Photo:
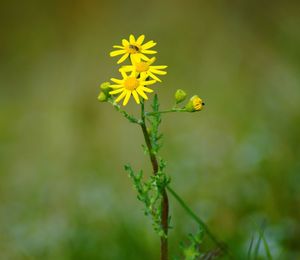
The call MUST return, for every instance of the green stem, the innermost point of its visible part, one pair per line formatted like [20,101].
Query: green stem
[166,111]
[197,219]
[165,200]
[130,118]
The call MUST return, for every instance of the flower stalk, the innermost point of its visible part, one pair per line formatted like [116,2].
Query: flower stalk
[165,200]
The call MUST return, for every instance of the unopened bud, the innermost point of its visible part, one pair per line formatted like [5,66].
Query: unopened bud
[102,97]
[180,96]
[195,104]
[105,86]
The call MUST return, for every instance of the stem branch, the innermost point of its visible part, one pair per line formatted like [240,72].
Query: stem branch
[166,111]
[197,219]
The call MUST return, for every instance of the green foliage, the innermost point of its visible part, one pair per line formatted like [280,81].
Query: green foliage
[253,253]
[191,250]
[150,194]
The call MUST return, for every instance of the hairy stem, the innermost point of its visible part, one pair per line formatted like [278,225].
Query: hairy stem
[165,200]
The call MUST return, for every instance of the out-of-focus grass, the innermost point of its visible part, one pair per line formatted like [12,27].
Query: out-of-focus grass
[63,191]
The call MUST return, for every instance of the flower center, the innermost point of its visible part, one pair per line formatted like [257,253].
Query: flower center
[131,83]
[141,66]
[132,49]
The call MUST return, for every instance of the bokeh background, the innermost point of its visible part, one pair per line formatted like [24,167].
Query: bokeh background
[63,190]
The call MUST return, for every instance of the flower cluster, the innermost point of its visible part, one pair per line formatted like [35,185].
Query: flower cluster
[140,74]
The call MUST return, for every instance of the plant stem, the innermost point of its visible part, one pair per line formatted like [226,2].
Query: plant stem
[165,200]
[166,111]
[197,219]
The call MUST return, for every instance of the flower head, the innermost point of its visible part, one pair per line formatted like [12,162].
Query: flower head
[195,104]
[133,48]
[145,69]
[130,85]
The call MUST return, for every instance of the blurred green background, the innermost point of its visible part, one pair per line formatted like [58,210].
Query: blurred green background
[63,190]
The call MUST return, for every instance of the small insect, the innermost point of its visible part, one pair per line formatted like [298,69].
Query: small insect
[134,47]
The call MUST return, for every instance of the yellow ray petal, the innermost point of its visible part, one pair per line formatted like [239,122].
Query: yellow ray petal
[153,76]
[123,73]
[148,51]
[140,40]
[125,42]
[113,92]
[131,39]
[143,57]
[128,94]
[159,72]
[127,68]
[146,89]
[135,58]
[118,46]
[118,81]
[160,67]
[152,60]
[148,45]
[116,53]
[124,57]
[115,86]
[136,97]
[148,82]
[122,95]
[141,93]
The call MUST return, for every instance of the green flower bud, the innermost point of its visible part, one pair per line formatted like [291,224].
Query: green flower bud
[180,96]
[105,86]
[194,104]
[102,97]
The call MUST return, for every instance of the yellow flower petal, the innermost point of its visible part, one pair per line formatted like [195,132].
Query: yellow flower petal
[116,53]
[127,68]
[148,45]
[152,60]
[148,51]
[143,57]
[116,91]
[146,89]
[136,97]
[128,94]
[125,42]
[153,76]
[159,72]
[141,93]
[123,73]
[118,81]
[140,40]
[159,67]
[124,57]
[135,58]
[118,46]
[148,82]
[115,86]
[131,39]
[122,95]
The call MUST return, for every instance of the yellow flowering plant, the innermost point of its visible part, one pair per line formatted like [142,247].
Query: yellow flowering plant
[137,80]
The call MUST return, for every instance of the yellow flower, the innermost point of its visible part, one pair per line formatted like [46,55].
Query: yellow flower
[130,85]
[145,69]
[194,104]
[197,103]
[133,48]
